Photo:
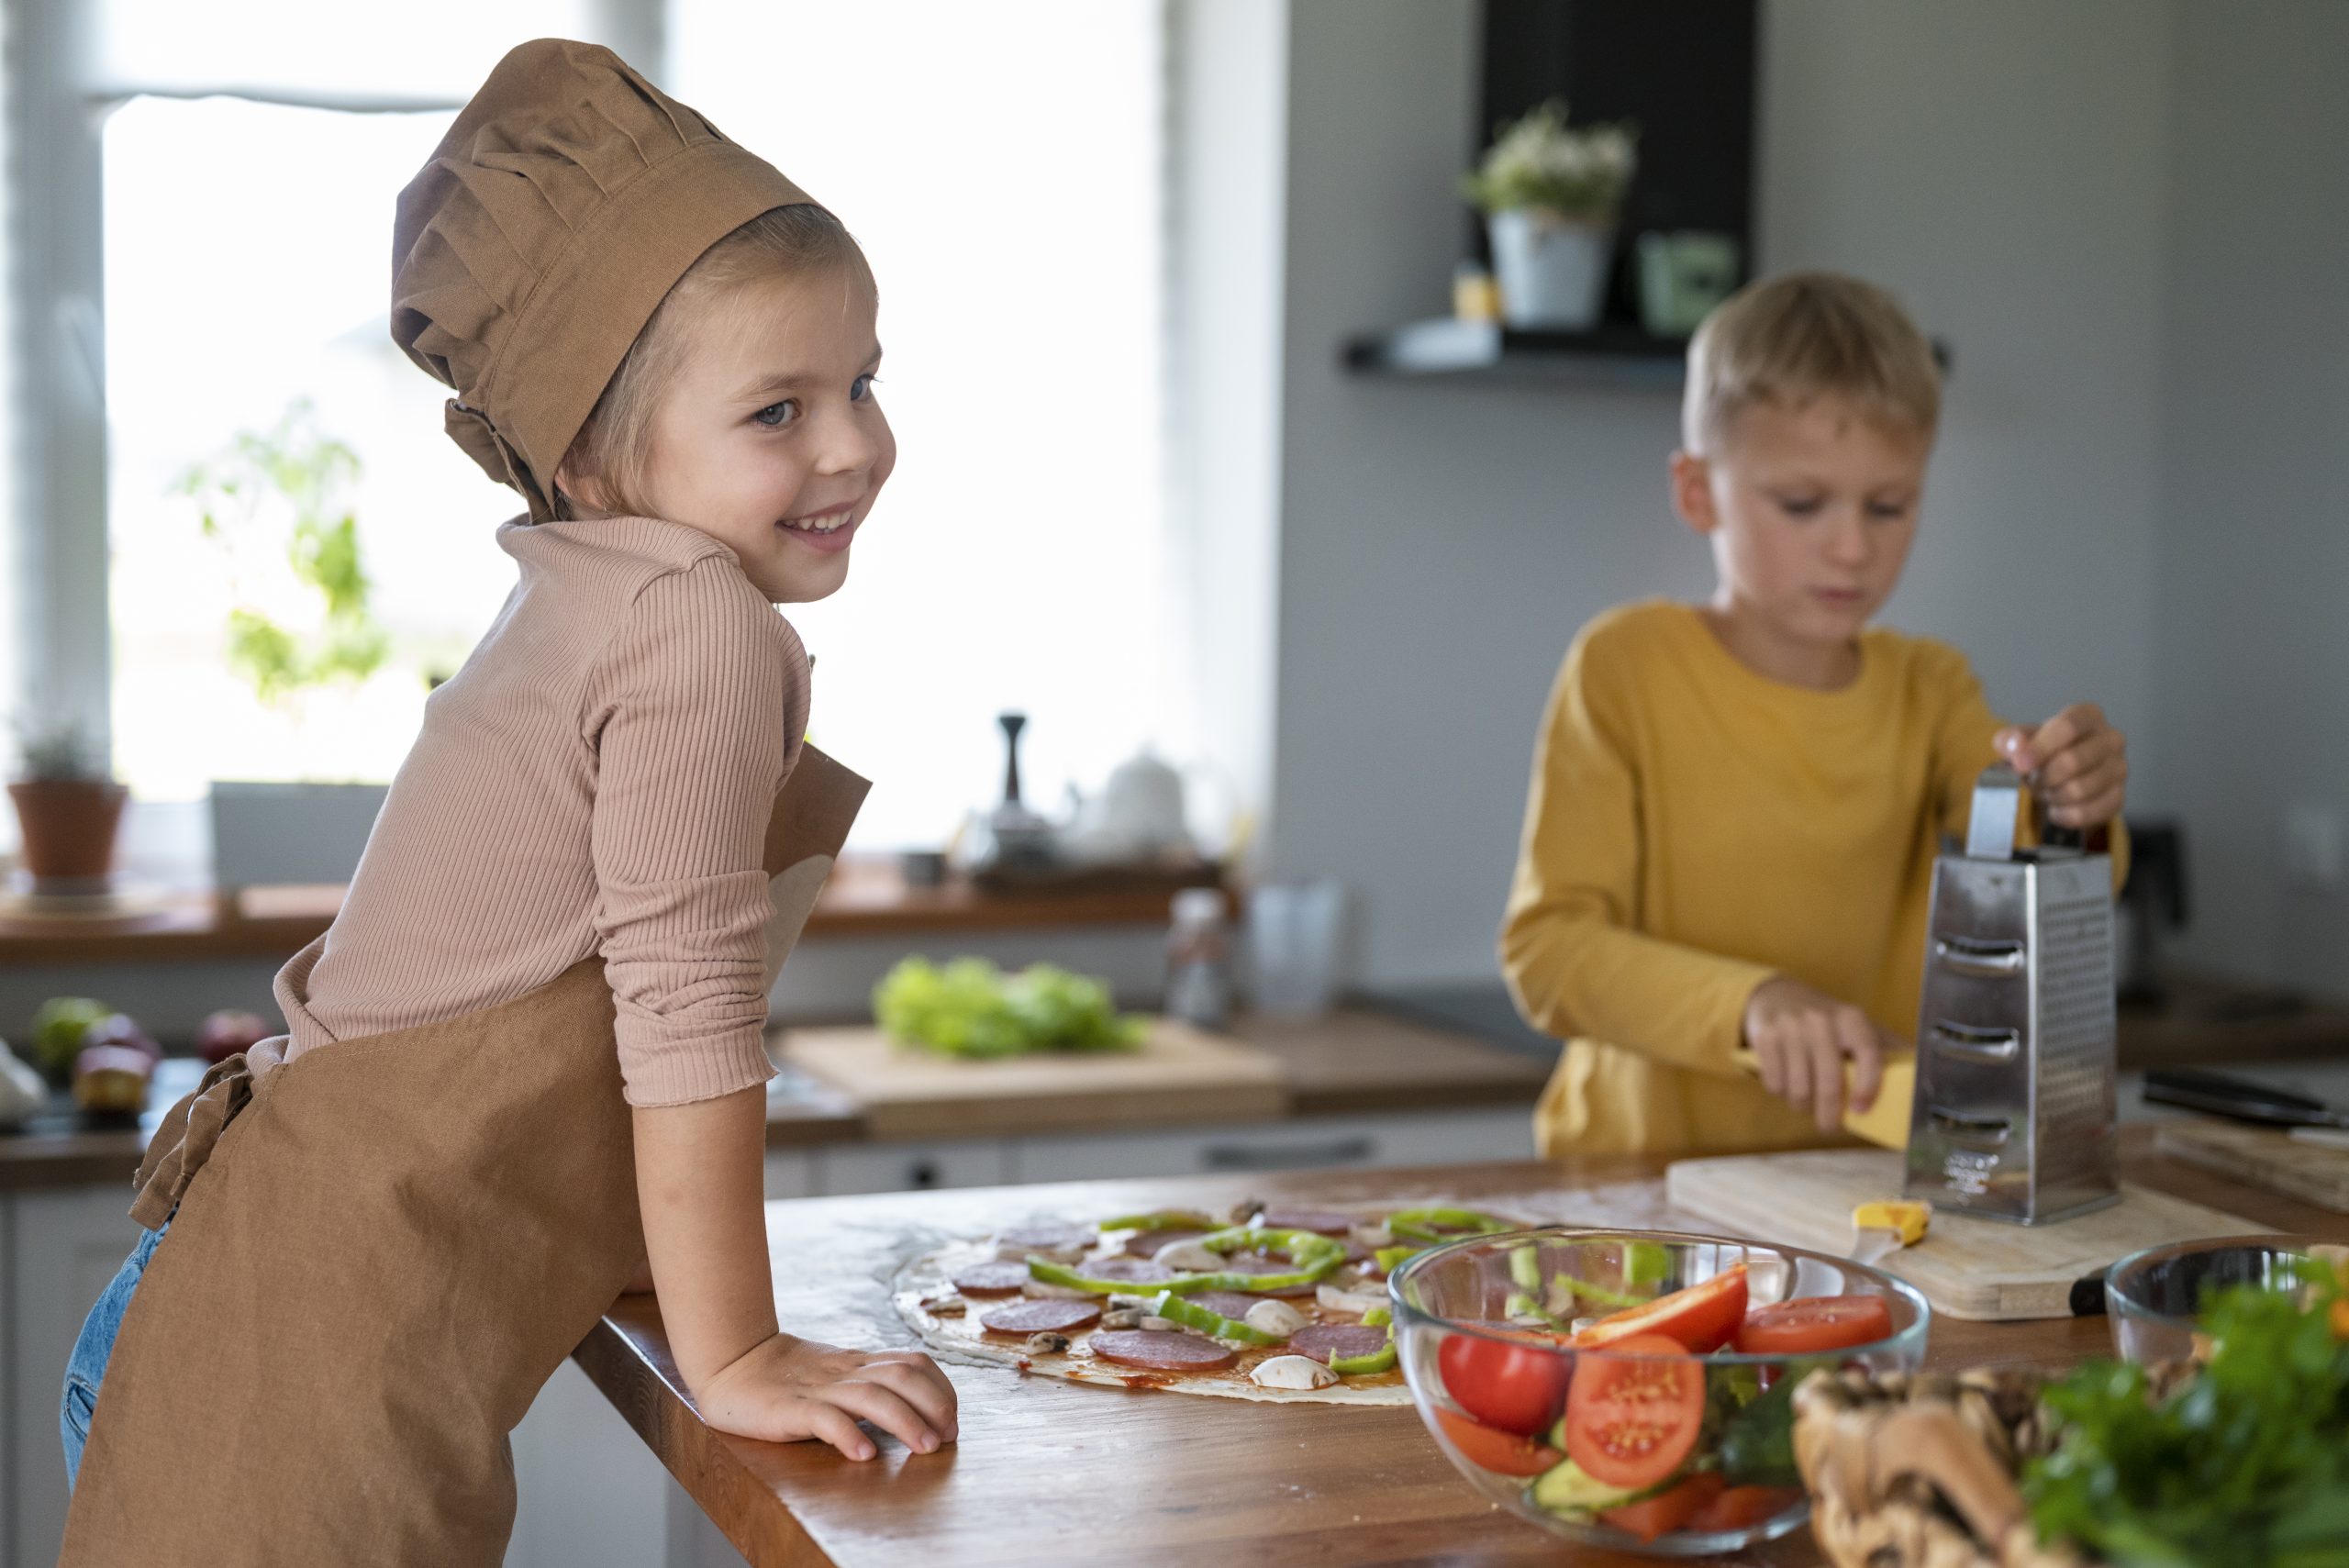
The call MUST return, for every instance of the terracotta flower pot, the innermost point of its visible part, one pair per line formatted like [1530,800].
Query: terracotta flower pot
[69,831]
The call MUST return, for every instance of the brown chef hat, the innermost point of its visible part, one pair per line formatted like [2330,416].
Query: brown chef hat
[553,217]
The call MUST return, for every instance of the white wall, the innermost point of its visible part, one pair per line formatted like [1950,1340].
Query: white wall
[2252,675]
[1998,162]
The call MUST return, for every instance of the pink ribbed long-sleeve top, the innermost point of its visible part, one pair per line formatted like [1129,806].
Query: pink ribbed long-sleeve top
[597,778]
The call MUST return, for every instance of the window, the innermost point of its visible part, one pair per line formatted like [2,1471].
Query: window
[1002,166]
[246,278]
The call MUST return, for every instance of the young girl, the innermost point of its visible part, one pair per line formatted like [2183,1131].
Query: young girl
[526,1064]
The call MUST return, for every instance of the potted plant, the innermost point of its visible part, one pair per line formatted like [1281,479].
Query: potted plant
[1549,193]
[68,810]
[277,504]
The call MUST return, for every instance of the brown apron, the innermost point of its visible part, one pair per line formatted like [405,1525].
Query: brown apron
[383,1250]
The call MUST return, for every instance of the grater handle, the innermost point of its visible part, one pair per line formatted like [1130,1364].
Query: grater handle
[1997,806]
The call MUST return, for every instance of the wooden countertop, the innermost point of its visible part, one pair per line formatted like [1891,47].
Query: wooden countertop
[865,896]
[1354,1061]
[1049,1470]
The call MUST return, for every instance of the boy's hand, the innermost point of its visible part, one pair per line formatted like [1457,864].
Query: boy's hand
[2076,762]
[1801,1038]
[784,1390]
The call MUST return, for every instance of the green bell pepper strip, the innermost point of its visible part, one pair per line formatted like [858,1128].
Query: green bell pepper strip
[1159,1219]
[1046,1271]
[1521,1305]
[1303,1246]
[1378,1361]
[1422,1223]
[1391,1257]
[1603,1296]
[1191,1315]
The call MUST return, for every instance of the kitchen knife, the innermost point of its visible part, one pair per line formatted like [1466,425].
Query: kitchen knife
[2220,1093]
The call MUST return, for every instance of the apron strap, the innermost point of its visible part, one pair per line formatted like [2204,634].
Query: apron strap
[184,1139]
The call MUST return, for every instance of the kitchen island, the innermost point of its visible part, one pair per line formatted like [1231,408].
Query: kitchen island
[1051,1472]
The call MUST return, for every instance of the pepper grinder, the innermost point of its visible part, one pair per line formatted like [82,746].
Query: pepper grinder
[1022,839]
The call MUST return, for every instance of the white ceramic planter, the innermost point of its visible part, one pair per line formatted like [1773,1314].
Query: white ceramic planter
[1552,270]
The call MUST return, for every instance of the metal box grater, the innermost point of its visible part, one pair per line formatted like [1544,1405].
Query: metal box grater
[2015,1110]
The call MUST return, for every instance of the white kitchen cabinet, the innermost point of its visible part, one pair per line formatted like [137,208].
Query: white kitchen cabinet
[63,1246]
[1436,1137]
[845,1168]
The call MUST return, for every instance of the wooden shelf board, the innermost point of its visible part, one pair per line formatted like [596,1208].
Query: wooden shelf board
[866,897]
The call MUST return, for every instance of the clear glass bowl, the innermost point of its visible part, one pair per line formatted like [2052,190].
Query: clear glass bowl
[2153,1297]
[1470,1320]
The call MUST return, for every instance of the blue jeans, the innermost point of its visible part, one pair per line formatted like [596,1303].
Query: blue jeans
[87,1365]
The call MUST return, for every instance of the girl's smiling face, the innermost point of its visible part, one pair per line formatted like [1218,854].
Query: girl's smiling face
[769,438]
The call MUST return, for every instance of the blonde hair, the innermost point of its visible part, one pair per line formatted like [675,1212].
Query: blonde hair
[614,448]
[1789,339]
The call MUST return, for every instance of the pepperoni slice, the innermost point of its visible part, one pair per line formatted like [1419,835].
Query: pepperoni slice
[1322,1340]
[1045,1317]
[997,1278]
[1229,1302]
[1250,1264]
[1160,1350]
[1146,1243]
[1129,1270]
[1046,1237]
[1324,1222]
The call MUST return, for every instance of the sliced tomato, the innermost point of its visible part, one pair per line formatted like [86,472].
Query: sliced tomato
[1514,1387]
[1503,1453]
[1667,1511]
[1701,1317]
[1743,1508]
[1812,1324]
[1634,1411]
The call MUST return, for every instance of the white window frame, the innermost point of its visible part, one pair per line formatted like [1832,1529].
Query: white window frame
[57,503]
[1225,258]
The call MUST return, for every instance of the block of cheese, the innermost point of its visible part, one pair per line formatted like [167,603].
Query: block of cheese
[1884,1123]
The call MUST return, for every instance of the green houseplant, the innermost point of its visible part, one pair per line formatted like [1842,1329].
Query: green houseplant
[1549,193]
[276,502]
[301,622]
[68,808]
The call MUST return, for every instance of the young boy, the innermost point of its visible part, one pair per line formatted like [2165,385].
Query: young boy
[1735,806]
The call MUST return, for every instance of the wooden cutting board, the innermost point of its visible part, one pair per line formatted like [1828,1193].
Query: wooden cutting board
[1178,1074]
[2263,1157]
[1969,1268]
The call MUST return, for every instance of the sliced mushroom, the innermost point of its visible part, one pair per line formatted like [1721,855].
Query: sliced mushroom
[1300,1373]
[1039,1291]
[1011,1252]
[1046,1344]
[1148,1321]
[1125,1318]
[1357,1302]
[1187,1257]
[1269,1316]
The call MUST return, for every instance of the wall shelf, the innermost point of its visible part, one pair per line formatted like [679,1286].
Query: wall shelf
[1481,352]
[1612,355]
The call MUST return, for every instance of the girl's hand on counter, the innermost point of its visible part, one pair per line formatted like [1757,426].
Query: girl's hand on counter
[2079,764]
[1801,1038]
[785,1389]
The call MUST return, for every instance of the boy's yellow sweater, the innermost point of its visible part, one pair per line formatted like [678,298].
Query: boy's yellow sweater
[1694,829]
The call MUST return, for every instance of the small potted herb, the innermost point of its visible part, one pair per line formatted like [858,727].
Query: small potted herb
[1549,193]
[68,809]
